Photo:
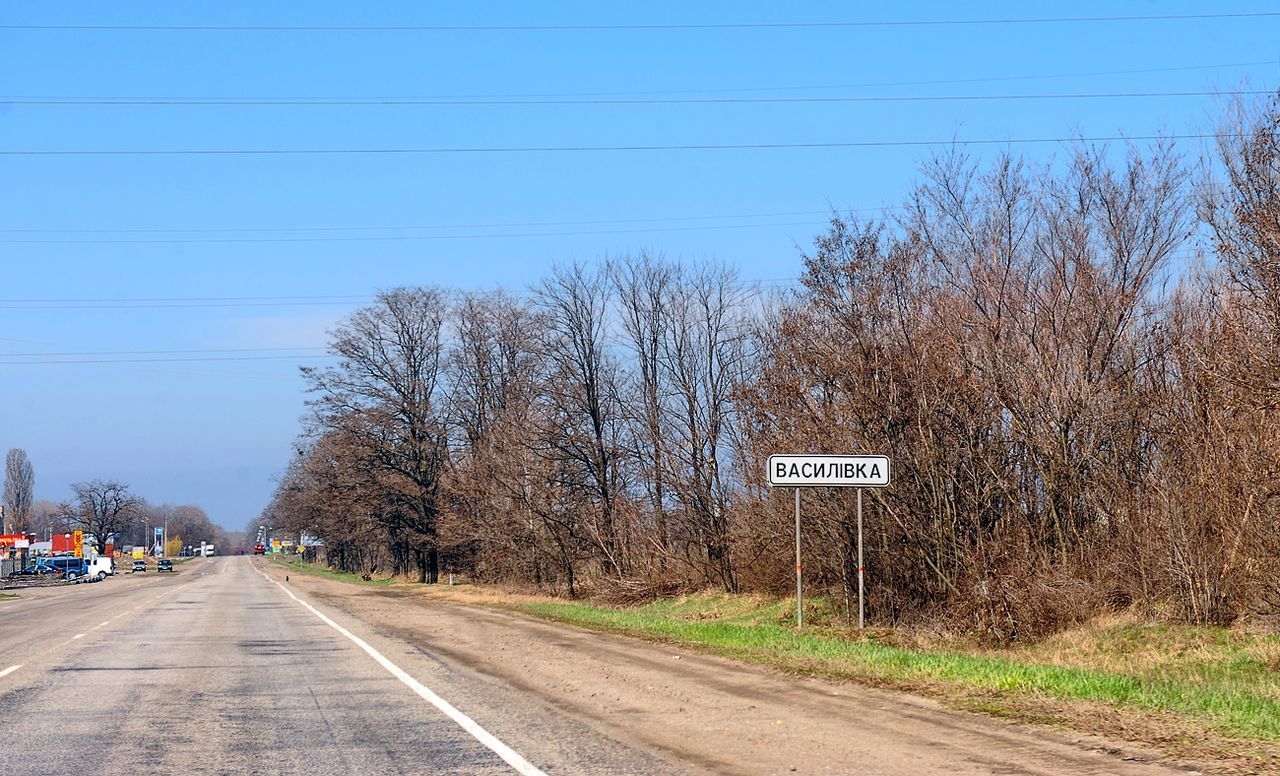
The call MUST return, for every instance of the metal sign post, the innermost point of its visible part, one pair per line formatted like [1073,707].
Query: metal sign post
[862,609]
[799,569]
[831,471]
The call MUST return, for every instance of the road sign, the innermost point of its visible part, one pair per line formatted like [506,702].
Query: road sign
[828,471]
[77,543]
[21,544]
[831,471]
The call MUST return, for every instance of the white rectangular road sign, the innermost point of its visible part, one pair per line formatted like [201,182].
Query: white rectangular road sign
[829,471]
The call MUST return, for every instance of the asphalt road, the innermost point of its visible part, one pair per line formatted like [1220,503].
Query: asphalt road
[222,668]
[215,669]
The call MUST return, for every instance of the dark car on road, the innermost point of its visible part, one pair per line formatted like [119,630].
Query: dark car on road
[164,565]
[139,565]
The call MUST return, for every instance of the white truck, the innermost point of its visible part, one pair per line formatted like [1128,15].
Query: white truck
[101,566]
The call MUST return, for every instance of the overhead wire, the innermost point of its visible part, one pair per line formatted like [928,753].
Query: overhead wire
[186,351]
[18,305]
[441,150]
[740,89]
[49,362]
[395,238]
[532,101]
[427,227]
[838,24]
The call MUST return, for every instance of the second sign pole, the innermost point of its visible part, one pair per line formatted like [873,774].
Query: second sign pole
[861,568]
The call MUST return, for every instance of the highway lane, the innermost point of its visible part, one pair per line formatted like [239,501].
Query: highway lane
[220,670]
[41,618]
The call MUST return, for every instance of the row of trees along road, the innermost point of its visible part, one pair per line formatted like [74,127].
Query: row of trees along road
[1073,367]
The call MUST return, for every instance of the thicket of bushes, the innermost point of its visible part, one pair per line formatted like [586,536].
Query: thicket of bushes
[1074,368]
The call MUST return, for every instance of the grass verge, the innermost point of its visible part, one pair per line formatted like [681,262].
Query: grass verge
[3,596]
[320,571]
[1231,701]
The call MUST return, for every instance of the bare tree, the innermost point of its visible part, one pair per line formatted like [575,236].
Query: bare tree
[585,410]
[385,394]
[703,356]
[19,489]
[496,372]
[643,287]
[103,509]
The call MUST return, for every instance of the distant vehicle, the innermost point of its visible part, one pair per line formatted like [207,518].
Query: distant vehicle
[164,565]
[101,567]
[139,565]
[259,549]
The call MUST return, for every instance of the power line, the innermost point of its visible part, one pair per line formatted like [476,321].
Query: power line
[201,301]
[724,90]
[731,90]
[398,238]
[625,27]
[424,227]
[53,354]
[126,305]
[311,297]
[586,149]
[160,360]
[454,102]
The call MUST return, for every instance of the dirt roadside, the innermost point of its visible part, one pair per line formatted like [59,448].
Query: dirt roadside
[717,714]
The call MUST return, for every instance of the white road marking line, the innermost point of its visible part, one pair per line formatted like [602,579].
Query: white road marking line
[77,636]
[9,670]
[508,754]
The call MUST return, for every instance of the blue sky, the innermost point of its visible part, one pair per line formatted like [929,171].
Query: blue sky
[267,230]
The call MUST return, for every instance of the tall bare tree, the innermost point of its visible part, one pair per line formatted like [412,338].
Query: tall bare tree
[643,288]
[385,394]
[585,409]
[703,356]
[19,490]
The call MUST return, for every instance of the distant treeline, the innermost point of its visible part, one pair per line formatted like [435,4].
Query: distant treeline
[1075,369]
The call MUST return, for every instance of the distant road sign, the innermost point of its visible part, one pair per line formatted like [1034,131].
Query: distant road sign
[829,471]
[78,543]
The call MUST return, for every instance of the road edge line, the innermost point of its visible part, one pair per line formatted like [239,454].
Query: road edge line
[9,670]
[508,755]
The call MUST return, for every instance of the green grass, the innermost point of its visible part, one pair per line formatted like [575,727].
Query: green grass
[3,596]
[1236,691]
[319,571]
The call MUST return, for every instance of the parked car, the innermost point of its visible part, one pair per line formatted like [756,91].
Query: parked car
[35,569]
[71,569]
[138,565]
[164,565]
